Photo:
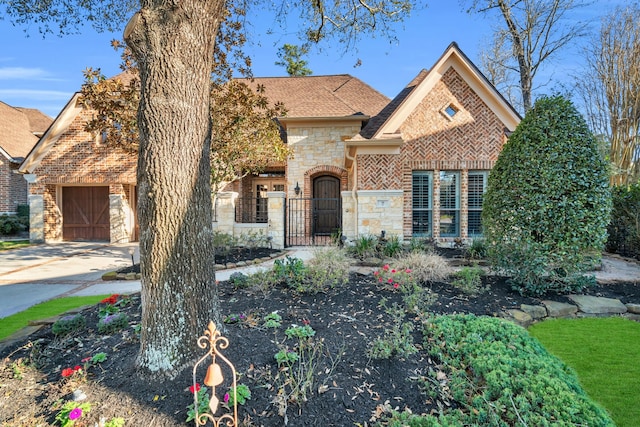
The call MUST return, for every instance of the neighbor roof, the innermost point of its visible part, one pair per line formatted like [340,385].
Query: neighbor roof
[340,95]
[16,135]
[38,121]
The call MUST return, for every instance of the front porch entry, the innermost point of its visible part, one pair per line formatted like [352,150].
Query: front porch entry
[316,220]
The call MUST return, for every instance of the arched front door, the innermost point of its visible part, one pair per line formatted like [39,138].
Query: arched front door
[327,207]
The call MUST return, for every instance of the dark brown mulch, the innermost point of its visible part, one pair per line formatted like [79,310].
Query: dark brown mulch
[348,387]
[233,256]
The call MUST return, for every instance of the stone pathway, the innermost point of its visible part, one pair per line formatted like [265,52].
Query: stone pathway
[583,306]
[614,269]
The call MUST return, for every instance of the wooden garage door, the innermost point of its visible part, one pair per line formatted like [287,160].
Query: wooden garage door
[85,213]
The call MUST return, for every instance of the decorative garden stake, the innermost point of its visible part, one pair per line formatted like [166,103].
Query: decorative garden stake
[215,341]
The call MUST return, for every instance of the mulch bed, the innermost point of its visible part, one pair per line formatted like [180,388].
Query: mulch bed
[348,389]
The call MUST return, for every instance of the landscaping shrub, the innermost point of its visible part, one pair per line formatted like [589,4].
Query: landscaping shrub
[328,268]
[548,202]
[624,228]
[501,376]
[476,250]
[239,280]
[390,247]
[364,247]
[425,267]
[68,324]
[291,271]
[13,224]
[469,280]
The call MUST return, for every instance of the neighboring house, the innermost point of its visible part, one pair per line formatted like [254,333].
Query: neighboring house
[361,164]
[20,129]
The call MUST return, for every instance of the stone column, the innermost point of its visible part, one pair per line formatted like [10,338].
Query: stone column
[226,211]
[348,215]
[36,218]
[118,230]
[276,213]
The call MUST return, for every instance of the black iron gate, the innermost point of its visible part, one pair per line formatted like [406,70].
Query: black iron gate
[310,222]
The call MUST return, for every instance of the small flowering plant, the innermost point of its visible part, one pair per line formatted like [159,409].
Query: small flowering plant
[112,323]
[394,279]
[242,394]
[113,304]
[72,412]
[234,318]
[202,397]
[76,371]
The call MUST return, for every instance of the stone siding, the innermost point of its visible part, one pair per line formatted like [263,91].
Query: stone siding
[317,150]
[378,211]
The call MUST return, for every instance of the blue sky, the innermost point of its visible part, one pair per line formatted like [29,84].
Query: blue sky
[43,73]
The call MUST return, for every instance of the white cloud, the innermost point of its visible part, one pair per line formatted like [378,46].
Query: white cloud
[22,73]
[35,94]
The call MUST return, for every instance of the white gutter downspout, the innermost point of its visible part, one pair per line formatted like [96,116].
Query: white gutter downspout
[354,166]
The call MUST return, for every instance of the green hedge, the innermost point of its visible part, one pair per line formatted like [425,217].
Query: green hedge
[624,228]
[547,205]
[501,376]
[13,224]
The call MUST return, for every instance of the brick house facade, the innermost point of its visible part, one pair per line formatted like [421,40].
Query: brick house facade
[425,159]
[79,188]
[20,128]
[412,166]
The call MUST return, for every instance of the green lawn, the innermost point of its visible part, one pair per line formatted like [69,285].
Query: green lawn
[605,353]
[15,322]
[13,244]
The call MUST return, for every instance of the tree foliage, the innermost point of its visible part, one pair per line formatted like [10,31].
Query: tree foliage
[609,88]
[532,32]
[624,228]
[291,58]
[547,204]
[245,136]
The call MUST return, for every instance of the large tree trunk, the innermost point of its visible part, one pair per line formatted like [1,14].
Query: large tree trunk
[173,42]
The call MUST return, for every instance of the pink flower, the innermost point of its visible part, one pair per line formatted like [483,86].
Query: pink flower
[77,368]
[194,388]
[375,273]
[396,285]
[408,270]
[86,359]
[386,267]
[75,414]
[390,280]
[226,398]
[67,372]
[393,271]
[380,279]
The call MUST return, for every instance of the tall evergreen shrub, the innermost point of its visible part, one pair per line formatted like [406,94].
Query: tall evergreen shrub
[624,228]
[548,202]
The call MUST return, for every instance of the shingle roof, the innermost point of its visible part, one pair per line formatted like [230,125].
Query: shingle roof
[38,121]
[323,96]
[16,138]
[374,124]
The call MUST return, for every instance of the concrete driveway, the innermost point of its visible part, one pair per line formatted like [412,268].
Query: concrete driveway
[38,273]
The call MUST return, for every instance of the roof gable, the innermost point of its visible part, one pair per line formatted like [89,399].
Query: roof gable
[53,133]
[388,123]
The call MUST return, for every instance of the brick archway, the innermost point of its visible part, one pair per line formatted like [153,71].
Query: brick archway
[317,171]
